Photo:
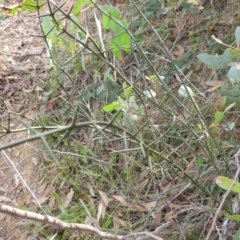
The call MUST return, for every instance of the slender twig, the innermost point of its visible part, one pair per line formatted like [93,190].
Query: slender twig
[56,222]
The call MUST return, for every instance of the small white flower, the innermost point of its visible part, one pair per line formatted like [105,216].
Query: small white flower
[149,93]
[185,91]
[133,117]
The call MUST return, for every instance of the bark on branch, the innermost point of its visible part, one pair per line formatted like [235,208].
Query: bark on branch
[56,222]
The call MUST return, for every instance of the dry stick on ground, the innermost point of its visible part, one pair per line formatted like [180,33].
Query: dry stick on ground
[56,222]
[76,226]
[225,195]
[153,234]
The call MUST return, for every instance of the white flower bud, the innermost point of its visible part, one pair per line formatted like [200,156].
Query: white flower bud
[185,91]
[149,93]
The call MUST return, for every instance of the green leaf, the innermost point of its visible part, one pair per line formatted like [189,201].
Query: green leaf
[234,217]
[109,85]
[218,117]
[87,95]
[237,235]
[120,43]
[237,35]
[229,126]
[234,52]
[99,89]
[234,73]
[109,76]
[186,56]
[78,6]
[49,29]
[127,90]
[102,94]
[216,62]
[115,49]
[225,183]
[108,22]
[46,96]
[11,11]
[232,94]
[32,5]
[111,107]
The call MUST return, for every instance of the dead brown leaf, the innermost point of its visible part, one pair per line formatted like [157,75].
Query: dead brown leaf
[102,205]
[68,198]
[90,189]
[121,200]
[140,186]
[214,85]
[149,205]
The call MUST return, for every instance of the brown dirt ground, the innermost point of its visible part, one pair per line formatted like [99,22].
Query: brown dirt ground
[22,61]
[23,64]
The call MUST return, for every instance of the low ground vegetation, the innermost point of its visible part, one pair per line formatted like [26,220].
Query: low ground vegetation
[139,118]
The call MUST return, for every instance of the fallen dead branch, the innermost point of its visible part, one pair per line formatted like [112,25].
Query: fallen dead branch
[56,222]
[76,226]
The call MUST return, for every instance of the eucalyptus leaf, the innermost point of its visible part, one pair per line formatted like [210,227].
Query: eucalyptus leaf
[237,35]
[234,73]
[216,62]
[237,235]
[232,94]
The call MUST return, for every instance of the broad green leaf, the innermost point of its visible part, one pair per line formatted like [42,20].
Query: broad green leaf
[225,183]
[32,5]
[218,117]
[216,62]
[115,49]
[186,56]
[49,29]
[109,85]
[234,52]
[87,95]
[234,73]
[102,95]
[112,106]
[237,235]
[232,94]
[118,29]
[101,92]
[237,35]
[109,76]
[78,6]
[108,22]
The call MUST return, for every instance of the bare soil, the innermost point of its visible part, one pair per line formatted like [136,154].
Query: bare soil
[22,67]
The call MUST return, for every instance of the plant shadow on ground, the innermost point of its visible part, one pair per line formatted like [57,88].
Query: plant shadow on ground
[149,150]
